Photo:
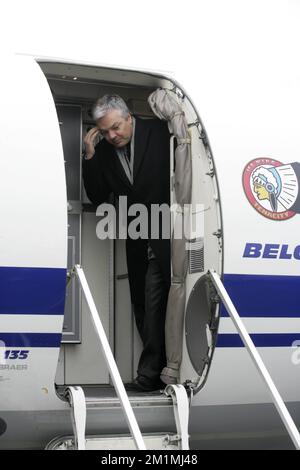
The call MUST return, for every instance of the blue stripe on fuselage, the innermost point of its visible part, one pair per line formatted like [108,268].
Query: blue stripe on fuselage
[263,296]
[264,340]
[31,340]
[32,291]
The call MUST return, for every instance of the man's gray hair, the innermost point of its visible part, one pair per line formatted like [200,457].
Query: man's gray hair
[109,103]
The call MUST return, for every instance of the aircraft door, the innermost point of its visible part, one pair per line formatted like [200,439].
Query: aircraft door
[192,311]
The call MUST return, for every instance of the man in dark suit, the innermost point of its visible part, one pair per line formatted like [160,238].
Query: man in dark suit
[133,160]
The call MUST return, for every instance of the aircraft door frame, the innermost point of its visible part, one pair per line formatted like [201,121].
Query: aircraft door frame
[70,119]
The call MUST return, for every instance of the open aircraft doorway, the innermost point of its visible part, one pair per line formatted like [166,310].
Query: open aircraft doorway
[75,88]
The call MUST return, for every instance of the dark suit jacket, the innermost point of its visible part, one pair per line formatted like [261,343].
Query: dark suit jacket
[104,174]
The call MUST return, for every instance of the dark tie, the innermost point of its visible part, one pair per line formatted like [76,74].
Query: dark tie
[127,156]
[127,152]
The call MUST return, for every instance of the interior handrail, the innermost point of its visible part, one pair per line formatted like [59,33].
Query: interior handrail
[256,358]
[110,361]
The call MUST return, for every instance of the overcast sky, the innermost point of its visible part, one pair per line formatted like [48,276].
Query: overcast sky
[210,32]
[233,54]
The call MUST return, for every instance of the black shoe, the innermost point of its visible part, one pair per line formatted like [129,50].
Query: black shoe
[141,385]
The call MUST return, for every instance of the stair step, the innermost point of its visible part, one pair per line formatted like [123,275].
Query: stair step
[155,441]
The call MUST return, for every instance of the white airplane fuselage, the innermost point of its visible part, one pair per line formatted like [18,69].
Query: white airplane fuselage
[246,159]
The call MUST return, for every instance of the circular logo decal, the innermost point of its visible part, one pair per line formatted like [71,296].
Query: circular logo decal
[272,188]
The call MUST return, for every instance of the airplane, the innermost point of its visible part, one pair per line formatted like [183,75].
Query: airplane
[244,156]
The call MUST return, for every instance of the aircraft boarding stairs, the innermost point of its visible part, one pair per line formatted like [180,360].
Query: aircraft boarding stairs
[174,395]
[177,393]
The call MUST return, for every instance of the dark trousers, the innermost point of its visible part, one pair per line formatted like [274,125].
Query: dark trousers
[150,321]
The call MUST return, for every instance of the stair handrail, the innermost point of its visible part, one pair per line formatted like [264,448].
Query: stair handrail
[256,358]
[110,361]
